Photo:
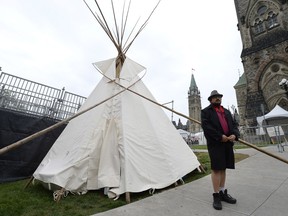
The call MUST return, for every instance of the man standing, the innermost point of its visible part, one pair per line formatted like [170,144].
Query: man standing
[220,131]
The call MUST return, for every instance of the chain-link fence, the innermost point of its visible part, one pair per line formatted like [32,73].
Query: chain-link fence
[266,135]
[29,97]
[259,136]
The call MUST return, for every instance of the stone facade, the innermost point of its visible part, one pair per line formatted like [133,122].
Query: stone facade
[263,27]
[194,105]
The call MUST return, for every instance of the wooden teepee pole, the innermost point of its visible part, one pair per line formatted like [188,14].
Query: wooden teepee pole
[198,122]
[263,151]
[29,182]
[46,130]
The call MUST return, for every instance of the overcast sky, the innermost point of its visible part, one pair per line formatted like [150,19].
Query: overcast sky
[55,42]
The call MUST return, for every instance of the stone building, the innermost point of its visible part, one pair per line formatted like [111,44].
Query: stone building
[263,26]
[194,105]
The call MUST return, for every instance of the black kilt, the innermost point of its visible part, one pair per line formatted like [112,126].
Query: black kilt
[221,156]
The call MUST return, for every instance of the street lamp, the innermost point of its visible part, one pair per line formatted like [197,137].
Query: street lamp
[284,85]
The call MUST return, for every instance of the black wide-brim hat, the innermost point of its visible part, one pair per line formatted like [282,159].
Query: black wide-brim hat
[213,94]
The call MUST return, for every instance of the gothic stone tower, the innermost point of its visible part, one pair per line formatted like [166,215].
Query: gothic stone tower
[194,104]
[263,26]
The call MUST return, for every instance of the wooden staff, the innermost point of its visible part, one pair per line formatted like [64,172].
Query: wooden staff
[198,122]
[33,136]
[46,130]
[263,151]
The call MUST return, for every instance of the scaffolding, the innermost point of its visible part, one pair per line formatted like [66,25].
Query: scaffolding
[22,95]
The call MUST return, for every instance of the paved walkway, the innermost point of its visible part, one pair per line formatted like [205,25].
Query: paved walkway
[260,184]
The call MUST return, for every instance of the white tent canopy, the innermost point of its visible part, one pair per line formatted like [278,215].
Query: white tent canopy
[184,134]
[201,138]
[276,112]
[126,144]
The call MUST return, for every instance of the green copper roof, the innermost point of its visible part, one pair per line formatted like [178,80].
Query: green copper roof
[193,83]
[241,81]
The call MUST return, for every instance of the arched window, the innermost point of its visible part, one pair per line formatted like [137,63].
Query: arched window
[272,19]
[261,10]
[259,27]
[263,18]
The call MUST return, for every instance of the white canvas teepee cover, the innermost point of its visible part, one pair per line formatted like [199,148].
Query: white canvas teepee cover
[127,144]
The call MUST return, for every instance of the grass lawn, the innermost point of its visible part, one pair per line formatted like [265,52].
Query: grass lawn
[35,200]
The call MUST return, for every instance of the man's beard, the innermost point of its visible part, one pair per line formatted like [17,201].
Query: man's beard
[216,104]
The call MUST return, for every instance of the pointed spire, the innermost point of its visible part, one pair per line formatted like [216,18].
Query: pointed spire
[193,84]
[193,89]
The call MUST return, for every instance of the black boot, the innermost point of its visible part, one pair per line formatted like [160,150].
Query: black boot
[217,201]
[226,197]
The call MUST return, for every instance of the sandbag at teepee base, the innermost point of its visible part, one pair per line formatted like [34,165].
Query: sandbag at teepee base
[126,144]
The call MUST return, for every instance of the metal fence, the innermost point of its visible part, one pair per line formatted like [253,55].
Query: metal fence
[266,135]
[30,97]
[260,136]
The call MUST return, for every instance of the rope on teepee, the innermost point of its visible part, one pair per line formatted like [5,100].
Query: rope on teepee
[58,194]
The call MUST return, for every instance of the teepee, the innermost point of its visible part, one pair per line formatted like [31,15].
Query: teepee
[127,143]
